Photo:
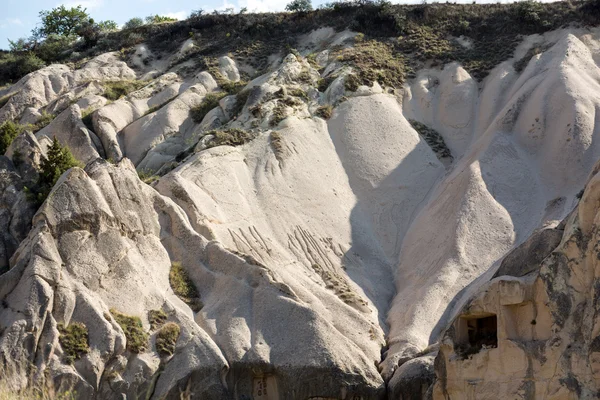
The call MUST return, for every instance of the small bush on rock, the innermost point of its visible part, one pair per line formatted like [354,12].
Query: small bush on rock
[183,287]
[8,132]
[156,318]
[73,340]
[166,338]
[210,101]
[324,111]
[137,338]
[299,6]
[133,23]
[119,89]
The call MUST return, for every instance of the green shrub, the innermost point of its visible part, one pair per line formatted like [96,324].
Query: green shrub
[133,23]
[183,287]
[59,160]
[147,176]
[324,111]
[61,21]
[8,132]
[156,318]
[277,145]
[351,83]
[119,89]
[137,338]
[299,6]
[15,66]
[232,87]
[279,114]
[166,338]
[210,101]
[73,340]
[55,48]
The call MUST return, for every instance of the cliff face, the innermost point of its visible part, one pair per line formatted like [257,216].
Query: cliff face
[534,332]
[330,245]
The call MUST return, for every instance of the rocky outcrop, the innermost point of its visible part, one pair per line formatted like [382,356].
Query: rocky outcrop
[330,243]
[536,334]
[42,87]
[105,241]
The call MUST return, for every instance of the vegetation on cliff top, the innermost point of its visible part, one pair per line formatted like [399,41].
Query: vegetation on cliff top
[417,33]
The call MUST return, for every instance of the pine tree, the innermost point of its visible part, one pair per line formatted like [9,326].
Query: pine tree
[59,160]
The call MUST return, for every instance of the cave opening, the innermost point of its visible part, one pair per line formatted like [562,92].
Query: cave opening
[476,333]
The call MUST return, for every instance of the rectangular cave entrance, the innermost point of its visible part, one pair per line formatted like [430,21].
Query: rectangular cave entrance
[476,333]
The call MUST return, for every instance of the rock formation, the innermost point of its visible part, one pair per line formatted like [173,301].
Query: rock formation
[331,250]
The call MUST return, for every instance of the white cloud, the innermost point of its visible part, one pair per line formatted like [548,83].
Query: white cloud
[180,15]
[8,22]
[262,5]
[89,4]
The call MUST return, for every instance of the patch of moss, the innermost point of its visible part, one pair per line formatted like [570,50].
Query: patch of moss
[232,87]
[230,137]
[166,338]
[73,340]
[210,101]
[183,287]
[297,92]
[279,114]
[351,83]
[324,111]
[137,337]
[156,318]
[323,83]
[115,90]
[147,176]
[305,77]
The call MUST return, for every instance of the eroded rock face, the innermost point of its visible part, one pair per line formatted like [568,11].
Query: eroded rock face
[534,335]
[330,246]
[42,87]
[104,240]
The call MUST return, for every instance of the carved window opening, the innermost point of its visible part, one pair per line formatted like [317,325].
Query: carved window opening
[476,333]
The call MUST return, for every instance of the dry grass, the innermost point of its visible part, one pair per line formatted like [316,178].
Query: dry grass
[38,389]
[119,89]
[137,337]
[324,111]
[166,338]
[209,102]
[229,137]
[156,318]
[183,287]
[277,145]
[73,340]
